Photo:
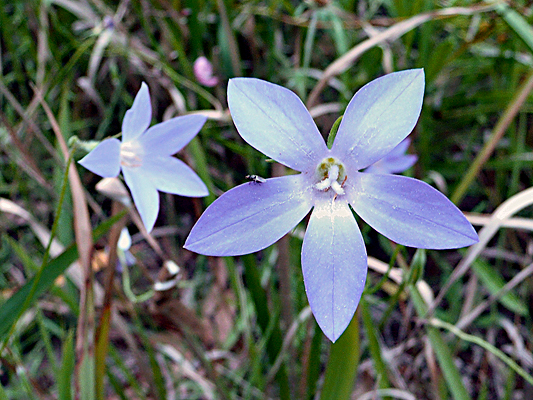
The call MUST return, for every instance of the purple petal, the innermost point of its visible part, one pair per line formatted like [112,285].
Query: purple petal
[144,195]
[171,136]
[251,216]
[139,116]
[170,175]
[379,116]
[274,121]
[401,149]
[409,212]
[393,164]
[334,266]
[104,159]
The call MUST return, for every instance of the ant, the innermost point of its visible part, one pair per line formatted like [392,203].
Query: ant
[255,179]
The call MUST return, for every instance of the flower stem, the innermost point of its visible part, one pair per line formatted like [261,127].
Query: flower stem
[342,364]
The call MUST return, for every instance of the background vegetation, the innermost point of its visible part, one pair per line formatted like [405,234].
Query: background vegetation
[241,327]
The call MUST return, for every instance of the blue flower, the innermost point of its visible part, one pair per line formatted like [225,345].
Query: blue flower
[254,215]
[145,157]
[396,162]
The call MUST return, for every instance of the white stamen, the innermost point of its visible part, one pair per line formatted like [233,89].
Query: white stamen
[336,186]
[331,180]
[131,154]
[333,172]
[323,185]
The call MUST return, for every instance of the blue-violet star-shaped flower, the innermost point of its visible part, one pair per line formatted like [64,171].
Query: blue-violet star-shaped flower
[254,215]
[145,157]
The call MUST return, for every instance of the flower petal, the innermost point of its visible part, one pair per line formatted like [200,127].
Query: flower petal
[171,136]
[274,121]
[250,217]
[139,116]
[144,195]
[334,266]
[104,159]
[409,212]
[379,116]
[392,164]
[170,175]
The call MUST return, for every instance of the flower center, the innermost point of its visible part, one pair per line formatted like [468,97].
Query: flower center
[331,175]
[131,154]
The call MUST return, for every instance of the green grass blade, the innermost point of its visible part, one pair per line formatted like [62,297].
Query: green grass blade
[499,130]
[516,22]
[65,230]
[86,377]
[342,364]
[127,375]
[158,379]
[373,343]
[494,283]
[116,385]
[228,45]
[64,378]
[338,33]
[3,394]
[201,168]
[47,340]
[486,345]
[274,344]
[314,367]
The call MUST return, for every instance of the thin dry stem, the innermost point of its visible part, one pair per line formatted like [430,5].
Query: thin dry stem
[27,163]
[517,279]
[501,214]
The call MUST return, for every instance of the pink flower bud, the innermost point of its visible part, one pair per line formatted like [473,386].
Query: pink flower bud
[203,71]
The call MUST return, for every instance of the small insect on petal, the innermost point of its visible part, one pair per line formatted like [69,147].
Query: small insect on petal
[255,179]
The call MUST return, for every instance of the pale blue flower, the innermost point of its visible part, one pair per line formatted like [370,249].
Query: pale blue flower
[254,215]
[145,157]
[396,162]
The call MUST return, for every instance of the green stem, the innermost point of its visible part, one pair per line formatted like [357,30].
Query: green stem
[342,364]
[484,344]
[196,150]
